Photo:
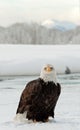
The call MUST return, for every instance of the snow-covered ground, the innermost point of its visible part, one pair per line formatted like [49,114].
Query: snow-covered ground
[67,112]
[28,59]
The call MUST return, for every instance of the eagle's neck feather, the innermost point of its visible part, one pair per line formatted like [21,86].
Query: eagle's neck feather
[48,77]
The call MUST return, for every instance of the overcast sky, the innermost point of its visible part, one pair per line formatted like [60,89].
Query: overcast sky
[38,10]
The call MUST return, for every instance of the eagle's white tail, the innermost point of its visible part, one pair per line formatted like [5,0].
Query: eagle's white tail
[20,118]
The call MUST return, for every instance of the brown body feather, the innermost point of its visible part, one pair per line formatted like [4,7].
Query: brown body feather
[39,99]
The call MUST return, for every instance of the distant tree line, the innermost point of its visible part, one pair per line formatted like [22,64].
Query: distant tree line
[21,33]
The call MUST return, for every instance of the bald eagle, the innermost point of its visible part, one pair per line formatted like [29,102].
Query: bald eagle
[39,98]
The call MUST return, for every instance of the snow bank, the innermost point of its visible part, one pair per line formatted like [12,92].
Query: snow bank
[28,59]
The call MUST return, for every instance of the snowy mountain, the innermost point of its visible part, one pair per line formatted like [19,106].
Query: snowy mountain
[60,25]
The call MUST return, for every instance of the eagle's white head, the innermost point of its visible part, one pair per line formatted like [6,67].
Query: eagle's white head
[48,73]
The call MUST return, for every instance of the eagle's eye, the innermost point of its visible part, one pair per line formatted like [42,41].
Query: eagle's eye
[51,68]
[45,68]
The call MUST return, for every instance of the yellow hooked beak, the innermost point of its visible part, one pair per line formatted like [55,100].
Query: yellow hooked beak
[48,69]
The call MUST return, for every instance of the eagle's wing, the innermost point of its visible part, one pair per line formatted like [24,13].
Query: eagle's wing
[58,89]
[52,99]
[30,92]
